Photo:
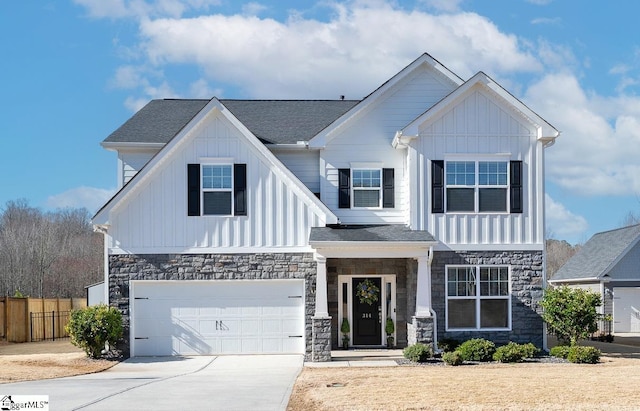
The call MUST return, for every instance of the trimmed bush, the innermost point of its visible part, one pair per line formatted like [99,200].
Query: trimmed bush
[477,349]
[560,351]
[452,358]
[514,352]
[92,327]
[418,352]
[583,355]
[448,344]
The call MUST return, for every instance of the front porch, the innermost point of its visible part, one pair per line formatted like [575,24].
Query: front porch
[394,261]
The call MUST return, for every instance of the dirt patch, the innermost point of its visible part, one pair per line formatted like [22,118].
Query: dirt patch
[47,359]
[610,385]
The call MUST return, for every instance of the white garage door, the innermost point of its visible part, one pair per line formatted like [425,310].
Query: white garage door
[626,310]
[217,317]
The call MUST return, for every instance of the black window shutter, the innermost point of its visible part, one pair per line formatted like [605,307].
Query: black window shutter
[240,189]
[344,188]
[437,186]
[388,200]
[516,186]
[193,189]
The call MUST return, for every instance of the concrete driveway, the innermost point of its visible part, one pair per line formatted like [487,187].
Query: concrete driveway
[249,382]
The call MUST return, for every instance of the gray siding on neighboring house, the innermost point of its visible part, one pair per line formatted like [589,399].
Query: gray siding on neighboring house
[526,293]
[124,268]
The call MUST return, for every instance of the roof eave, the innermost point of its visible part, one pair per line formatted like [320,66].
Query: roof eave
[116,146]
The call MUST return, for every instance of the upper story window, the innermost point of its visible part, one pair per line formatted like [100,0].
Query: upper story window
[217,189]
[366,188]
[476,186]
[478,297]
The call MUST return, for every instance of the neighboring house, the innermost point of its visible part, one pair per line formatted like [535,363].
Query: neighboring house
[248,226]
[609,264]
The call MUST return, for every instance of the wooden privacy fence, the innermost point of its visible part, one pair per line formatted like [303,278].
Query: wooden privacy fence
[35,319]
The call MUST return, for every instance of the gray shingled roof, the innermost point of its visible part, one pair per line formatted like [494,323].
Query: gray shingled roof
[272,121]
[597,255]
[394,232]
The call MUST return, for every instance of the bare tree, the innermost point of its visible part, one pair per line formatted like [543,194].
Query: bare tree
[54,254]
[558,253]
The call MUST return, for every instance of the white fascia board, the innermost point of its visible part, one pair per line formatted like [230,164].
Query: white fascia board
[324,136]
[111,146]
[594,280]
[208,250]
[489,247]
[372,249]
[545,130]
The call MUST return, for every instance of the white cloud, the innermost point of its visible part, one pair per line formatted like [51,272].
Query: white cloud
[443,5]
[253,9]
[539,2]
[359,48]
[547,20]
[598,149]
[563,222]
[90,198]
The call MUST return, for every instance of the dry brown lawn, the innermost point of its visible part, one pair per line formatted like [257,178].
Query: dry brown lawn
[614,384]
[42,360]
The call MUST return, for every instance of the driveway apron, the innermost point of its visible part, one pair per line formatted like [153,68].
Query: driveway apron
[248,382]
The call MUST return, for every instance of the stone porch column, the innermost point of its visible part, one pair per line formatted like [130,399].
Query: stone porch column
[321,322]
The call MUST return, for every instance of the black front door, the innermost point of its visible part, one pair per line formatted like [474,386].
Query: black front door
[367,327]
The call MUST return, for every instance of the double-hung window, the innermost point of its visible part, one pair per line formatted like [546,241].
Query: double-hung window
[217,189]
[478,297]
[476,186]
[367,188]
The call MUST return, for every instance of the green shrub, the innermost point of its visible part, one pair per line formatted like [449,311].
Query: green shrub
[452,358]
[560,351]
[92,327]
[477,349]
[418,352]
[448,344]
[583,355]
[514,352]
[570,313]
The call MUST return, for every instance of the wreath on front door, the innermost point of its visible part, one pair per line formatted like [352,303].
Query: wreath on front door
[367,291]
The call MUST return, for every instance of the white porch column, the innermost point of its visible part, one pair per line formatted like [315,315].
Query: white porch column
[423,288]
[322,307]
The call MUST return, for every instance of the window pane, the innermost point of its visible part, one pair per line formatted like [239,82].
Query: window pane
[460,199]
[462,314]
[494,281]
[461,173]
[216,176]
[217,203]
[366,178]
[461,281]
[492,173]
[366,198]
[494,313]
[492,199]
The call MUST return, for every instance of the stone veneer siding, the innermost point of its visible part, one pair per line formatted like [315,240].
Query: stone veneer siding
[373,267]
[124,268]
[526,293]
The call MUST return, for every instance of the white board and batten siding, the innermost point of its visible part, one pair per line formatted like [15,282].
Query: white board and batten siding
[217,317]
[154,217]
[367,139]
[130,162]
[477,128]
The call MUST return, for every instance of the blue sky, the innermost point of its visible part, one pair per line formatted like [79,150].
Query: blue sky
[74,71]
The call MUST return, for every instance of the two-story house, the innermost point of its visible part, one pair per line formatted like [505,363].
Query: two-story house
[259,226]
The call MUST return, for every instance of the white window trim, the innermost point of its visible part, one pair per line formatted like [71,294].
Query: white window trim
[353,188]
[216,162]
[476,187]
[477,298]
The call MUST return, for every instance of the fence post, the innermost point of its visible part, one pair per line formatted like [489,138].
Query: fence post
[53,323]
[30,327]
